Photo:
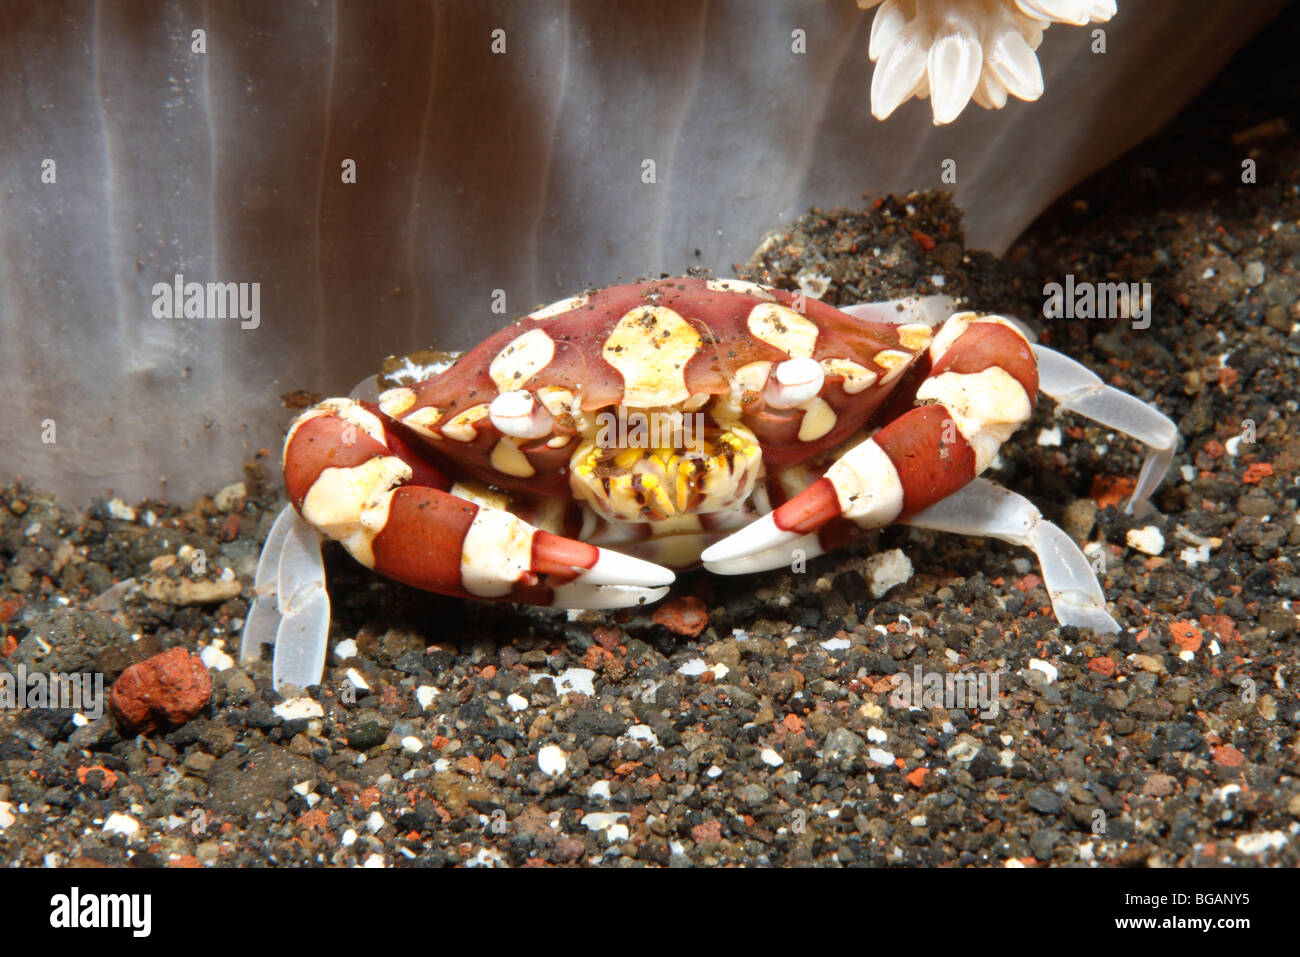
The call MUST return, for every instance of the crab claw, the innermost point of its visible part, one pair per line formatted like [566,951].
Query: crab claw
[981,387]
[355,480]
[439,542]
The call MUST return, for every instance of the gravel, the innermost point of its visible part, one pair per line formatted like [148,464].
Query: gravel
[754,724]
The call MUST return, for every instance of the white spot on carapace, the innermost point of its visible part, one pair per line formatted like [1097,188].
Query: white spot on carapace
[650,347]
[739,286]
[396,401]
[818,419]
[557,401]
[783,328]
[496,553]
[461,427]
[521,359]
[509,460]
[753,376]
[559,308]
[350,505]
[894,362]
[423,421]
[518,414]
[868,486]
[856,376]
[914,336]
[987,407]
[794,382]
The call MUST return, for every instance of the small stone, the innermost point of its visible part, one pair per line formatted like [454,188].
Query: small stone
[1149,540]
[1080,518]
[683,616]
[841,742]
[239,687]
[885,570]
[552,760]
[1149,663]
[1159,785]
[121,824]
[298,709]
[1044,801]
[231,498]
[753,794]
[367,735]
[167,689]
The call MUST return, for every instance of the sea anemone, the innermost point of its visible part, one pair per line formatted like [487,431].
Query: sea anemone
[958,50]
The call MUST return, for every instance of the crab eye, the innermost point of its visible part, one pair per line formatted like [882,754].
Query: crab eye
[794,382]
[517,414]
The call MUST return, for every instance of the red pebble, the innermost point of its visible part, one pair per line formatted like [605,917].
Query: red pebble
[1257,473]
[1228,756]
[165,690]
[710,832]
[1103,666]
[685,616]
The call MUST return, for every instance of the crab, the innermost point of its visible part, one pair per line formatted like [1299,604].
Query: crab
[581,455]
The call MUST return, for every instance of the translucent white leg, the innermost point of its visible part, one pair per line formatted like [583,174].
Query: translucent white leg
[1078,389]
[291,610]
[986,509]
[931,310]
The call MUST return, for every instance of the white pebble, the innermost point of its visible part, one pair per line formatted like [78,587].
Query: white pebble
[887,569]
[714,772]
[876,735]
[836,644]
[694,667]
[1259,843]
[6,814]
[216,659]
[349,837]
[581,680]
[412,743]
[599,791]
[425,695]
[347,648]
[375,822]
[358,680]
[603,820]
[880,756]
[643,733]
[1050,437]
[1147,539]
[1048,669]
[297,708]
[231,498]
[552,760]
[771,758]
[517,702]
[120,510]
[121,824]
[374,862]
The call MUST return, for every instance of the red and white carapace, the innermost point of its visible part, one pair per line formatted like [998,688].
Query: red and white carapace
[577,456]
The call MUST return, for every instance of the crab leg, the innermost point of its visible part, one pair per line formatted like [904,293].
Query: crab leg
[351,475]
[985,508]
[1076,388]
[981,387]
